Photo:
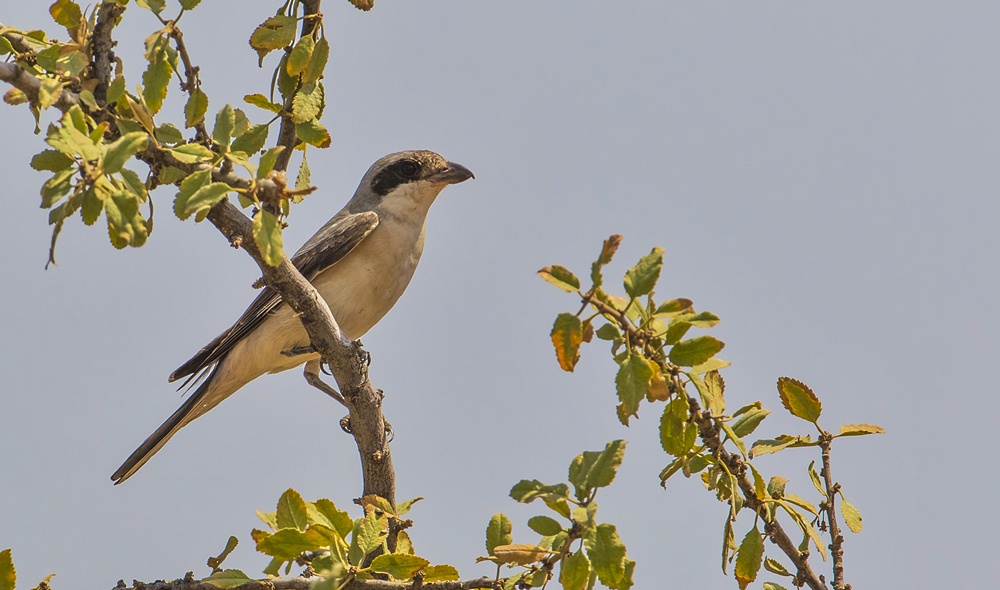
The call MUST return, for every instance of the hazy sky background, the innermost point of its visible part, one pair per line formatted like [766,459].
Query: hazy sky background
[823,176]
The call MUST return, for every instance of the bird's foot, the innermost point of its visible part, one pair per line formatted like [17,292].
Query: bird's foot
[366,356]
[312,378]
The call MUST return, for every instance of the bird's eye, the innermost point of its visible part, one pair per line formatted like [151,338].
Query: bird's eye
[409,169]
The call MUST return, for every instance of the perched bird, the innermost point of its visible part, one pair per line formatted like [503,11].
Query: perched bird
[360,262]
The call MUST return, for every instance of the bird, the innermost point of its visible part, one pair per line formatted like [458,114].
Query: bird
[360,262]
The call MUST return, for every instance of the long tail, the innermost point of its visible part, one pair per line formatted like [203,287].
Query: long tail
[197,404]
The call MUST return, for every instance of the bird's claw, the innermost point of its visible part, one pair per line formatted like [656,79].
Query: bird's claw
[366,357]
[345,424]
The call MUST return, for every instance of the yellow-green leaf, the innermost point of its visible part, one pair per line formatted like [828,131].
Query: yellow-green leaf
[399,566]
[317,61]
[298,59]
[67,13]
[252,141]
[122,149]
[274,33]
[567,335]
[195,108]
[632,384]
[259,100]
[520,554]
[799,399]
[267,235]
[607,253]
[749,558]
[227,579]
[641,278]
[695,351]
[7,574]
[851,516]
[561,277]
[860,429]
[291,512]
[574,573]
[313,133]
[440,573]
[498,532]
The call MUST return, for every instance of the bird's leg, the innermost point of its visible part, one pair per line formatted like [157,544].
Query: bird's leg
[311,374]
[366,357]
[296,351]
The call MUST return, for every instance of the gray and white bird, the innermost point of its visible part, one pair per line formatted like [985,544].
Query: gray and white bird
[360,262]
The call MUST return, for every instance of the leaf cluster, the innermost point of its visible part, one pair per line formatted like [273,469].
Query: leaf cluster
[586,551]
[659,363]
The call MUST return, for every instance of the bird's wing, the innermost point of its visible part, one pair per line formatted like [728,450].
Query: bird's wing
[329,245]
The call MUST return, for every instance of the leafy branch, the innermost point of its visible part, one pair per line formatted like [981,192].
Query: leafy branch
[658,364]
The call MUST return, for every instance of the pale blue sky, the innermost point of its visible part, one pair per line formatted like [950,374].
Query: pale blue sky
[822,176]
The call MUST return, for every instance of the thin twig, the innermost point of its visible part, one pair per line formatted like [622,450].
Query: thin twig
[829,506]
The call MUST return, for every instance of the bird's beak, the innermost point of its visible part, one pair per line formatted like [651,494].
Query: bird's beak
[453,174]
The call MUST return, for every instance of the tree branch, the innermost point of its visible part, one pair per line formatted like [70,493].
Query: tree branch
[17,77]
[189,583]
[103,48]
[837,543]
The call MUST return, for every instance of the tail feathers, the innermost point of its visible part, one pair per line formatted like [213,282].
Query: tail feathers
[184,415]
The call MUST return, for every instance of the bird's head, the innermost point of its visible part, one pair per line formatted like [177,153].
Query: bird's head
[408,181]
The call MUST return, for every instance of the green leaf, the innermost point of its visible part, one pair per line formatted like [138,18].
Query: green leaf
[527,491]
[338,520]
[735,438]
[57,187]
[773,586]
[205,198]
[814,478]
[51,160]
[67,13]
[561,277]
[498,532]
[405,507]
[368,535]
[695,351]
[608,332]
[769,446]
[274,33]
[5,46]
[574,573]
[188,187]
[313,133]
[287,544]
[298,59]
[158,73]
[195,108]
[225,121]
[116,89]
[607,556]
[92,206]
[776,486]
[156,6]
[705,319]
[632,383]
[308,103]
[545,526]
[401,567]
[192,153]
[641,278]
[851,516]
[749,421]
[799,399]
[845,429]
[673,307]
[189,4]
[749,558]
[122,149]
[596,469]
[677,433]
[291,511]
[567,335]
[252,141]
[7,574]
[268,159]
[317,61]
[267,235]
[440,573]
[775,567]
[167,133]
[304,178]
[259,100]
[712,364]
[228,579]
